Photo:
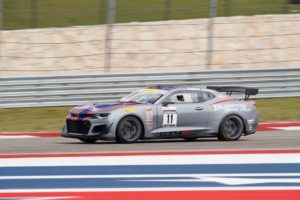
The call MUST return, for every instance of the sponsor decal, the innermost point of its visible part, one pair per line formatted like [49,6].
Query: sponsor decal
[170,134]
[149,118]
[129,110]
[231,107]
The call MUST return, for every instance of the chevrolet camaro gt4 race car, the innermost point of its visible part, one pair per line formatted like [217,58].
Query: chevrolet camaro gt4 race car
[166,112]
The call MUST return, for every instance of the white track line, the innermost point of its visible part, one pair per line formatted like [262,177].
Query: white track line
[152,160]
[289,128]
[16,136]
[149,176]
[149,189]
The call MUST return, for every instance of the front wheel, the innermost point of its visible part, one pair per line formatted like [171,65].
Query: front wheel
[231,128]
[129,130]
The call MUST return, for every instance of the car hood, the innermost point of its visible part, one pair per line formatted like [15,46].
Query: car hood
[92,108]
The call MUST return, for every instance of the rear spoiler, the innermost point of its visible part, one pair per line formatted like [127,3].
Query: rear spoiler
[229,90]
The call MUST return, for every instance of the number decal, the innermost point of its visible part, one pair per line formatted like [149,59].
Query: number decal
[169,117]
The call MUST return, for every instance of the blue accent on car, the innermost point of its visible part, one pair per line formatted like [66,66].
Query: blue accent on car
[106,105]
[99,106]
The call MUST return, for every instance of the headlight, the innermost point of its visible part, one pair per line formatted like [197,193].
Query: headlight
[102,115]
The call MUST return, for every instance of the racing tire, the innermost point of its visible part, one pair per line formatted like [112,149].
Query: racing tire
[129,130]
[88,140]
[231,128]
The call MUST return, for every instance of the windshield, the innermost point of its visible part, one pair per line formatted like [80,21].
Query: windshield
[144,96]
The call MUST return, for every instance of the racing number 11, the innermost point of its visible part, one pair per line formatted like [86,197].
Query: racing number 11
[170,118]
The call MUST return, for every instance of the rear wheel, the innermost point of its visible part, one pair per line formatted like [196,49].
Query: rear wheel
[231,128]
[129,130]
[88,140]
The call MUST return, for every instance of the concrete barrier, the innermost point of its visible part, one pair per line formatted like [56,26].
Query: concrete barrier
[180,45]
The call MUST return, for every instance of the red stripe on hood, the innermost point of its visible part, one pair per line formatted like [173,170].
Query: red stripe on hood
[224,100]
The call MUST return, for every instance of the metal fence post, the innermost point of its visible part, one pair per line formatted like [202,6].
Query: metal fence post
[210,29]
[109,32]
[285,6]
[34,13]
[168,10]
[227,7]
[1,15]
[102,16]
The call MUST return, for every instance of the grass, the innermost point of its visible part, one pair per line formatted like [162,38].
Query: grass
[279,109]
[52,118]
[20,14]
[32,119]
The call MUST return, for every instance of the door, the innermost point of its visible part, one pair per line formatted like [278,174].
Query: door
[185,111]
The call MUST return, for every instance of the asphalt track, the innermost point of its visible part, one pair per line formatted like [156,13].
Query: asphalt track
[260,140]
[265,165]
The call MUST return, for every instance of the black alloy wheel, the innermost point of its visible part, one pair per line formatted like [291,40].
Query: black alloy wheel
[231,128]
[129,130]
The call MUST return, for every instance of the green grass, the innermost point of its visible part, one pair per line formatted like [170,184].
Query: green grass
[279,109]
[20,14]
[52,118]
[33,119]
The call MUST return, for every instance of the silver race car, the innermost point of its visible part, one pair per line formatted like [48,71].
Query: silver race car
[166,111]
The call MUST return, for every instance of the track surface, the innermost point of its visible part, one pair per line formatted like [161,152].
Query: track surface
[260,140]
[265,165]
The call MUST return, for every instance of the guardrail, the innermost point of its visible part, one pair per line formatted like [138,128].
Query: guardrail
[73,90]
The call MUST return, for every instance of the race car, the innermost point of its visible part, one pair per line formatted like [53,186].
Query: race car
[166,111]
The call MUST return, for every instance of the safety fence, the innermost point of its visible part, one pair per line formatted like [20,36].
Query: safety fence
[72,90]
[23,14]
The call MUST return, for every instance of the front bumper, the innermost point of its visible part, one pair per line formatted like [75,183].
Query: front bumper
[87,128]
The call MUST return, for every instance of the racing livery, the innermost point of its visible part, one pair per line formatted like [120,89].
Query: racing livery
[166,111]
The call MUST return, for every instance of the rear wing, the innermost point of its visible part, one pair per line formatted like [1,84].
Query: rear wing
[230,89]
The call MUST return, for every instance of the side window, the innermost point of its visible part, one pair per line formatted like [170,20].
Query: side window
[184,97]
[207,96]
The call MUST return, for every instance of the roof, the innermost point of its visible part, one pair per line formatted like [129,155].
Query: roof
[168,87]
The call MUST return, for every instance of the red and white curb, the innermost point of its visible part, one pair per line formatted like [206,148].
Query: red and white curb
[20,135]
[278,126]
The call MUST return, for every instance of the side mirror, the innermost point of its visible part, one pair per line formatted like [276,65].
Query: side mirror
[166,103]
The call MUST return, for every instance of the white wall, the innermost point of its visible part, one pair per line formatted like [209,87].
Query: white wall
[273,38]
